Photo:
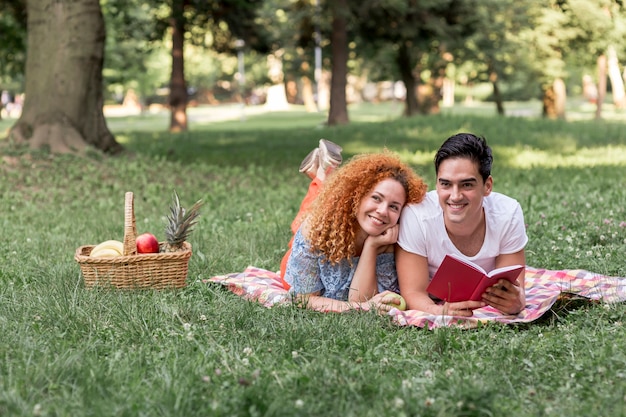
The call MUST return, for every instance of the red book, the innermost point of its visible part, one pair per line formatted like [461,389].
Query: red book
[461,280]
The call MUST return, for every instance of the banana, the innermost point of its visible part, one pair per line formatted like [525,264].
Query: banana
[105,253]
[108,249]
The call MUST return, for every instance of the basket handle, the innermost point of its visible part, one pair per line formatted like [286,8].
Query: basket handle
[130,229]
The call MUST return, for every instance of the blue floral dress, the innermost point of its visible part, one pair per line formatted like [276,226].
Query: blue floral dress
[308,272]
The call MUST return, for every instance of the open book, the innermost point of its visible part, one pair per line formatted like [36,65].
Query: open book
[462,280]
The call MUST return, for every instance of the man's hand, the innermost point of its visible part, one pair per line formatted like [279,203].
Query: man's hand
[462,308]
[504,296]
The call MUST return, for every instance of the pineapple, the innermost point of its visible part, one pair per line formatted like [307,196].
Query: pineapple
[179,224]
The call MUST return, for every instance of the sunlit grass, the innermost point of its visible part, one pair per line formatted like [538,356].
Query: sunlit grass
[70,351]
[528,158]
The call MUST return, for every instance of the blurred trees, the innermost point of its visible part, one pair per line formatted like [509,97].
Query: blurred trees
[424,35]
[215,25]
[13,44]
[600,28]
[496,52]
[522,48]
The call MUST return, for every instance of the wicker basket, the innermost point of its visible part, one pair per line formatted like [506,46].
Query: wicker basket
[133,270]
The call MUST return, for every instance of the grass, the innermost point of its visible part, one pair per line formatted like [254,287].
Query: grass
[68,351]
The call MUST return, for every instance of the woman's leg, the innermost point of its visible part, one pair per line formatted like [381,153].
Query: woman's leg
[314,189]
[318,163]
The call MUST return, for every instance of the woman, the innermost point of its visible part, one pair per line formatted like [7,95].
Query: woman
[343,253]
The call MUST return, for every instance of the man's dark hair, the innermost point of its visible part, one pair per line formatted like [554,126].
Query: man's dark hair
[466,145]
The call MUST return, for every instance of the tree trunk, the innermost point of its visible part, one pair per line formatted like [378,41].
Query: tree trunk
[601,85]
[497,97]
[617,83]
[403,60]
[63,89]
[448,92]
[554,100]
[560,95]
[438,74]
[308,97]
[178,86]
[548,101]
[590,91]
[554,97]
[338,112]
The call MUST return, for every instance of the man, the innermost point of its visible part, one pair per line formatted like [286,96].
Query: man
[465,217]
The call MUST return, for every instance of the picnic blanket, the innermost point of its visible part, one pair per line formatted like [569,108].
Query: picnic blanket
[543,288]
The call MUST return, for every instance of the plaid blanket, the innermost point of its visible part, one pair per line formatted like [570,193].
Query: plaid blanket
[543,288]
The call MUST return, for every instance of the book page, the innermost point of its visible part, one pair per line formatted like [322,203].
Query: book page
[504,269]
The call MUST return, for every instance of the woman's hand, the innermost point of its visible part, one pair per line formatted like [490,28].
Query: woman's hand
[504,296]
[381,242]
[383,302]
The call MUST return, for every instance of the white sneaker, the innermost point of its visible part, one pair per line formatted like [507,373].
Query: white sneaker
[311,163]
[329,154]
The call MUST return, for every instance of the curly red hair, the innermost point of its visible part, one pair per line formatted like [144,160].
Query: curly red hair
[332,222]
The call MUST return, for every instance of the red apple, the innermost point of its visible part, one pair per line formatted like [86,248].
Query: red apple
[147,243]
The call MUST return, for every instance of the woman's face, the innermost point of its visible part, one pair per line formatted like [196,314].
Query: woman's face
[380,208]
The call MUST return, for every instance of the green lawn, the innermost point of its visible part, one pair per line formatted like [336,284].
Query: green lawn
[202,351]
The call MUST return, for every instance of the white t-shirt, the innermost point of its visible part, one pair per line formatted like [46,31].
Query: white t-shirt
[423,232]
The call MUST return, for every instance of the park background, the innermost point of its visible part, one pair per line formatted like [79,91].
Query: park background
[102,114]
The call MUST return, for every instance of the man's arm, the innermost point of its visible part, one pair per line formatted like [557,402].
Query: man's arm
[413,279]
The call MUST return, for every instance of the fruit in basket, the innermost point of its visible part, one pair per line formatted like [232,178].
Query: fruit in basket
[179,224]
[107,249]
[147,243]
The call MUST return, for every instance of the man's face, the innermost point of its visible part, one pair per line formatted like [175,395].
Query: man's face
[461,190]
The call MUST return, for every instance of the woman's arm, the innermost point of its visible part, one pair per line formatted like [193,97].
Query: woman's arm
[382,302]
[413,279]
[364,283]
[316,302]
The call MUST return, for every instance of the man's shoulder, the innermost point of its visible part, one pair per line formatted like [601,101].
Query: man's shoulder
[498,199]
[501,204]
[427,207]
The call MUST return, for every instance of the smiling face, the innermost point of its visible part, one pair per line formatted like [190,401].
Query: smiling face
[380,209]
[461,190]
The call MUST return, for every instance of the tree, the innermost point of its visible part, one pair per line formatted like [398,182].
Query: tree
[601,27]
[574,32]
[338,112]
[134,52]
[293,29]
[423,34]
[178,87]
[63,104]
[142,26]
[547,37]
[226,20]
[495,52]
